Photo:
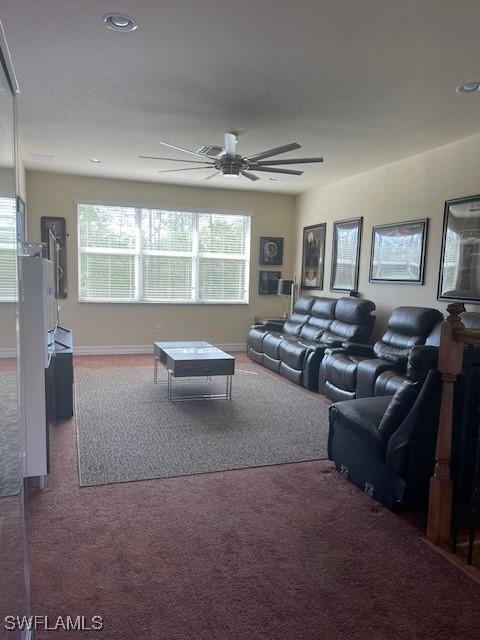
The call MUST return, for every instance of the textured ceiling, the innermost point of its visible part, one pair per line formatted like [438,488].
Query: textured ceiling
[361,83]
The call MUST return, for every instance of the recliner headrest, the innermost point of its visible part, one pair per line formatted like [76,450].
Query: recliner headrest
[354,310]
[304,304]
[414,321]
[324,308]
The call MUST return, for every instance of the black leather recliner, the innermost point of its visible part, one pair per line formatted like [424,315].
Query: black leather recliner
[389,381]
[315,324]
[351,371]
[386,445]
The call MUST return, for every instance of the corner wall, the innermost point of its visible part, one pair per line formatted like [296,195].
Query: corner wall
[412,188]
[120,325]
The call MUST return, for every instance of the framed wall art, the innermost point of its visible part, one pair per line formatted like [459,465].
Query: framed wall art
[313,256]
[268,282]
[57,226]
[271,250]
[398,252]
[459,277]
[347,236]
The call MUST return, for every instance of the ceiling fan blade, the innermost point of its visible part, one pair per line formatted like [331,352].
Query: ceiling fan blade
[249,175]
[230,145]
[275,151]
[173,146]
[172,159]
[289,161]
[291,172]
[212,175]
[185,169]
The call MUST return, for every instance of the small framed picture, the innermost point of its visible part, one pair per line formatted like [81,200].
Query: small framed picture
[459,277]
[398,252]
[268,282]
[313,256]
[271,250]
[347,236]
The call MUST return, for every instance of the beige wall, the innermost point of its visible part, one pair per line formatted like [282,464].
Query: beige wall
[412,188]
[99,324]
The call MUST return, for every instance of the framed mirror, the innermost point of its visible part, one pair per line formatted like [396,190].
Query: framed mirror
[398,252]
[347,236]
[459,277]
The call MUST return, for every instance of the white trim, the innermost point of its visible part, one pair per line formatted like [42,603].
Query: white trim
[8,352]
[141,348]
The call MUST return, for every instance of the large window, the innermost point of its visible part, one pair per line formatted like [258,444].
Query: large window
[128,254]
[8,256]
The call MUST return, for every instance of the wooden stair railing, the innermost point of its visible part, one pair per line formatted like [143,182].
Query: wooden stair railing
[453,339]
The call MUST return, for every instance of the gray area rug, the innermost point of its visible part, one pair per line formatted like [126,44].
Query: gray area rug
[127,430]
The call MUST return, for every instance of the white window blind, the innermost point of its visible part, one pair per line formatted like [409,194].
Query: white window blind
[8,257]
[131,254]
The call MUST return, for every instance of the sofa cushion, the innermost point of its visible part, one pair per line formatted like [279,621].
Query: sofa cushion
[397,410]
[362,417]
[341,371]
[388,383]
[255,338]
[294,324]
[354,310]
[293,353]
[322,315]
[271,344]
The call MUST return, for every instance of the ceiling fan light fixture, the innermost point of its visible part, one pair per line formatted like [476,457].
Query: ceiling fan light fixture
[468,87]
[120,22]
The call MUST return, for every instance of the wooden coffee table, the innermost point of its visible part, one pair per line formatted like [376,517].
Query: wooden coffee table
[193,359]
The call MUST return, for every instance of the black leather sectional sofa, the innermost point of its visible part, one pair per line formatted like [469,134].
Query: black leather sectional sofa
[296,349]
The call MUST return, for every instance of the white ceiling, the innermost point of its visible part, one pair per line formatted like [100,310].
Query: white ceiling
[361,83]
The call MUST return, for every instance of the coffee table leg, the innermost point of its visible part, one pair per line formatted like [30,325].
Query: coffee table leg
[228,390]
[169,385]
[155,368]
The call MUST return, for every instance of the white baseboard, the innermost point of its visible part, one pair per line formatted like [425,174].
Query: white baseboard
[141,348]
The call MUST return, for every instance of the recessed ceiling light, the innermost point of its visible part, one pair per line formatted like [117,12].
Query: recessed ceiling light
[95,160]
[275,179]
[468,87]
[42,157]
[120,22]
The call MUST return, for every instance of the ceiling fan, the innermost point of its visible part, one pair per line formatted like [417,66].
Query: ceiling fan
[226,161]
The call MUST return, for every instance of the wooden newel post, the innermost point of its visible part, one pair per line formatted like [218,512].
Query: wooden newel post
[450,364]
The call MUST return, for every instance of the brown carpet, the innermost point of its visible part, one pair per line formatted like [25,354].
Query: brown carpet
[290,552]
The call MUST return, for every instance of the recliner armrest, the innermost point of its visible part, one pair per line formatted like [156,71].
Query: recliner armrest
[330,343]
[268,326]
[398,361]
[358,349]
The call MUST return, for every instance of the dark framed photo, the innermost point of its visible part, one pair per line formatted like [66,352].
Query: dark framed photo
[398,252]
[347,238]
[268,282]
[313,256]
[459,277]
[21,221]
[57,226]
[271,250]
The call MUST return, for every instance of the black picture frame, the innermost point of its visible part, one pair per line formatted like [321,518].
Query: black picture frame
[459,271]
[271,250]
[346,279]
[21,221]
[268,282]
[57,225]
[313,256]
[399,248]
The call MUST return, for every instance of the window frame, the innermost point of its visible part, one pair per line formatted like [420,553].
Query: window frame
[246,257]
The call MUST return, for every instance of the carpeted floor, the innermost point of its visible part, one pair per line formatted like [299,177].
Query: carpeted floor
[127,430]
[289,552]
